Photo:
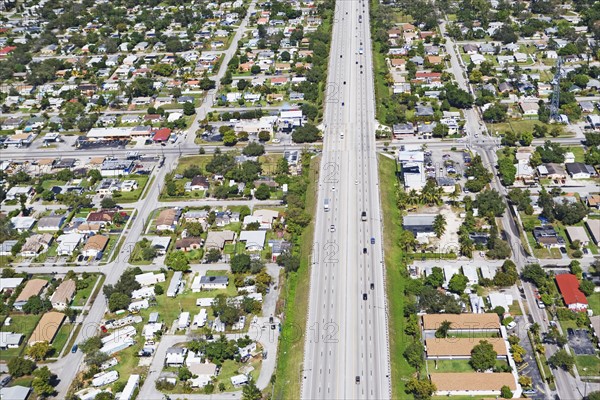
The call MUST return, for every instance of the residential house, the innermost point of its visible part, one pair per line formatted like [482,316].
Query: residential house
[63,295]
[150,278]
[51,223]
[175,356]
[67,243]
[211,283]
[254,240]
[569,289]
[36,244]
[547,236]
[189,244]
[198,183]
[167,219]
[176,284]
[94,246]
[578,170]
[33,287]
[22,224]
[203,374]
[419,224]
[218,239]
[10,340]
[578,233]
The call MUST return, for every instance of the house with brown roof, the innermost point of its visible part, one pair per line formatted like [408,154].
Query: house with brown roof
[63,295]
[167,219]
[460,348]
[472,383]
[103,217]
[189,244]
[218,239]
[46,329]
[32,288]
[95,245]
[36,244]
[462,322]
[593,201]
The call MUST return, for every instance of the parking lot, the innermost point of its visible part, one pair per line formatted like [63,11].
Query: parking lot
[444,163]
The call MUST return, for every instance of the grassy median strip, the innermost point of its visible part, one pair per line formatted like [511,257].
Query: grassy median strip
[296,288]
[395,276]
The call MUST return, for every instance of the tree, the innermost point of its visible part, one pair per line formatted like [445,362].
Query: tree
[561,359]
[307,133]
[108,202]
[439,225]
[42,382]
[505,392]
[251,392]
[177,261]
[93,343]
[483,356]
[158,290]
[525,381]
[262,192]
[188,108]
[264,136]
[457,97]
[240,263]
[507,171]
[587,287]
[490,203]
[458,283]
[35,305]
[255,69]
[118,301]
[183,374]
[435,278]
[254,149]
[414,354]
[213,255]
[442,331]
[38,351]
[495,113]
[288,261]
[526,138]
[19,366]
[420,389]
[105,396]
[229,138]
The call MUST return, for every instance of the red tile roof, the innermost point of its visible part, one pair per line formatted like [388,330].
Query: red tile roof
[569,288]
[162,135]
[6,50]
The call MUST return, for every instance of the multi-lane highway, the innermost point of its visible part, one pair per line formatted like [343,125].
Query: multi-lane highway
[346,349]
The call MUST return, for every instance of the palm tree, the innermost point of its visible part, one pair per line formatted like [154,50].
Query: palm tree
[454,195]
[442,331]
[439,225]
[466,247]
[413,197]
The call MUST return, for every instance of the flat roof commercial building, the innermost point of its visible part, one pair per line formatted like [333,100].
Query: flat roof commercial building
[460,348]
[472,383]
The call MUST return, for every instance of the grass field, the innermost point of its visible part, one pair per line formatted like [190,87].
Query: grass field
[82,295]
[594,303]
[395,276]
[291,345]
[588,365]
[61,338]
[455,365]
[21,323]
[520,126]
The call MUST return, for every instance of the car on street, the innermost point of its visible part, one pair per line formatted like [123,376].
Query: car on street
[364,250]
[364,296]
[563,250]
[74,348]
[372,240]
[332,228]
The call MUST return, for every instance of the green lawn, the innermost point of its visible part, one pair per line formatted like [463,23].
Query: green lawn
[520,126]
[21,323]
[61,338]
[455,365]
[473,334]
[82,295]
[134,195]
[296,287]
[588,365]
[578,152]
[594,303]
[395,276]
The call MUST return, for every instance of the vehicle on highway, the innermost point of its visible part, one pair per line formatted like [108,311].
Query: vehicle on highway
[541,304]
[357,379]
[74,348]
[332,228]
[341,135]
[326,204]
[363,216]
[372,286]
[356,182]
[364,250]
[360,51]
[364,296]
[342,104]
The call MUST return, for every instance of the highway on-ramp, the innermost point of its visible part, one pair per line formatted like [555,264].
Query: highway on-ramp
[346,349]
